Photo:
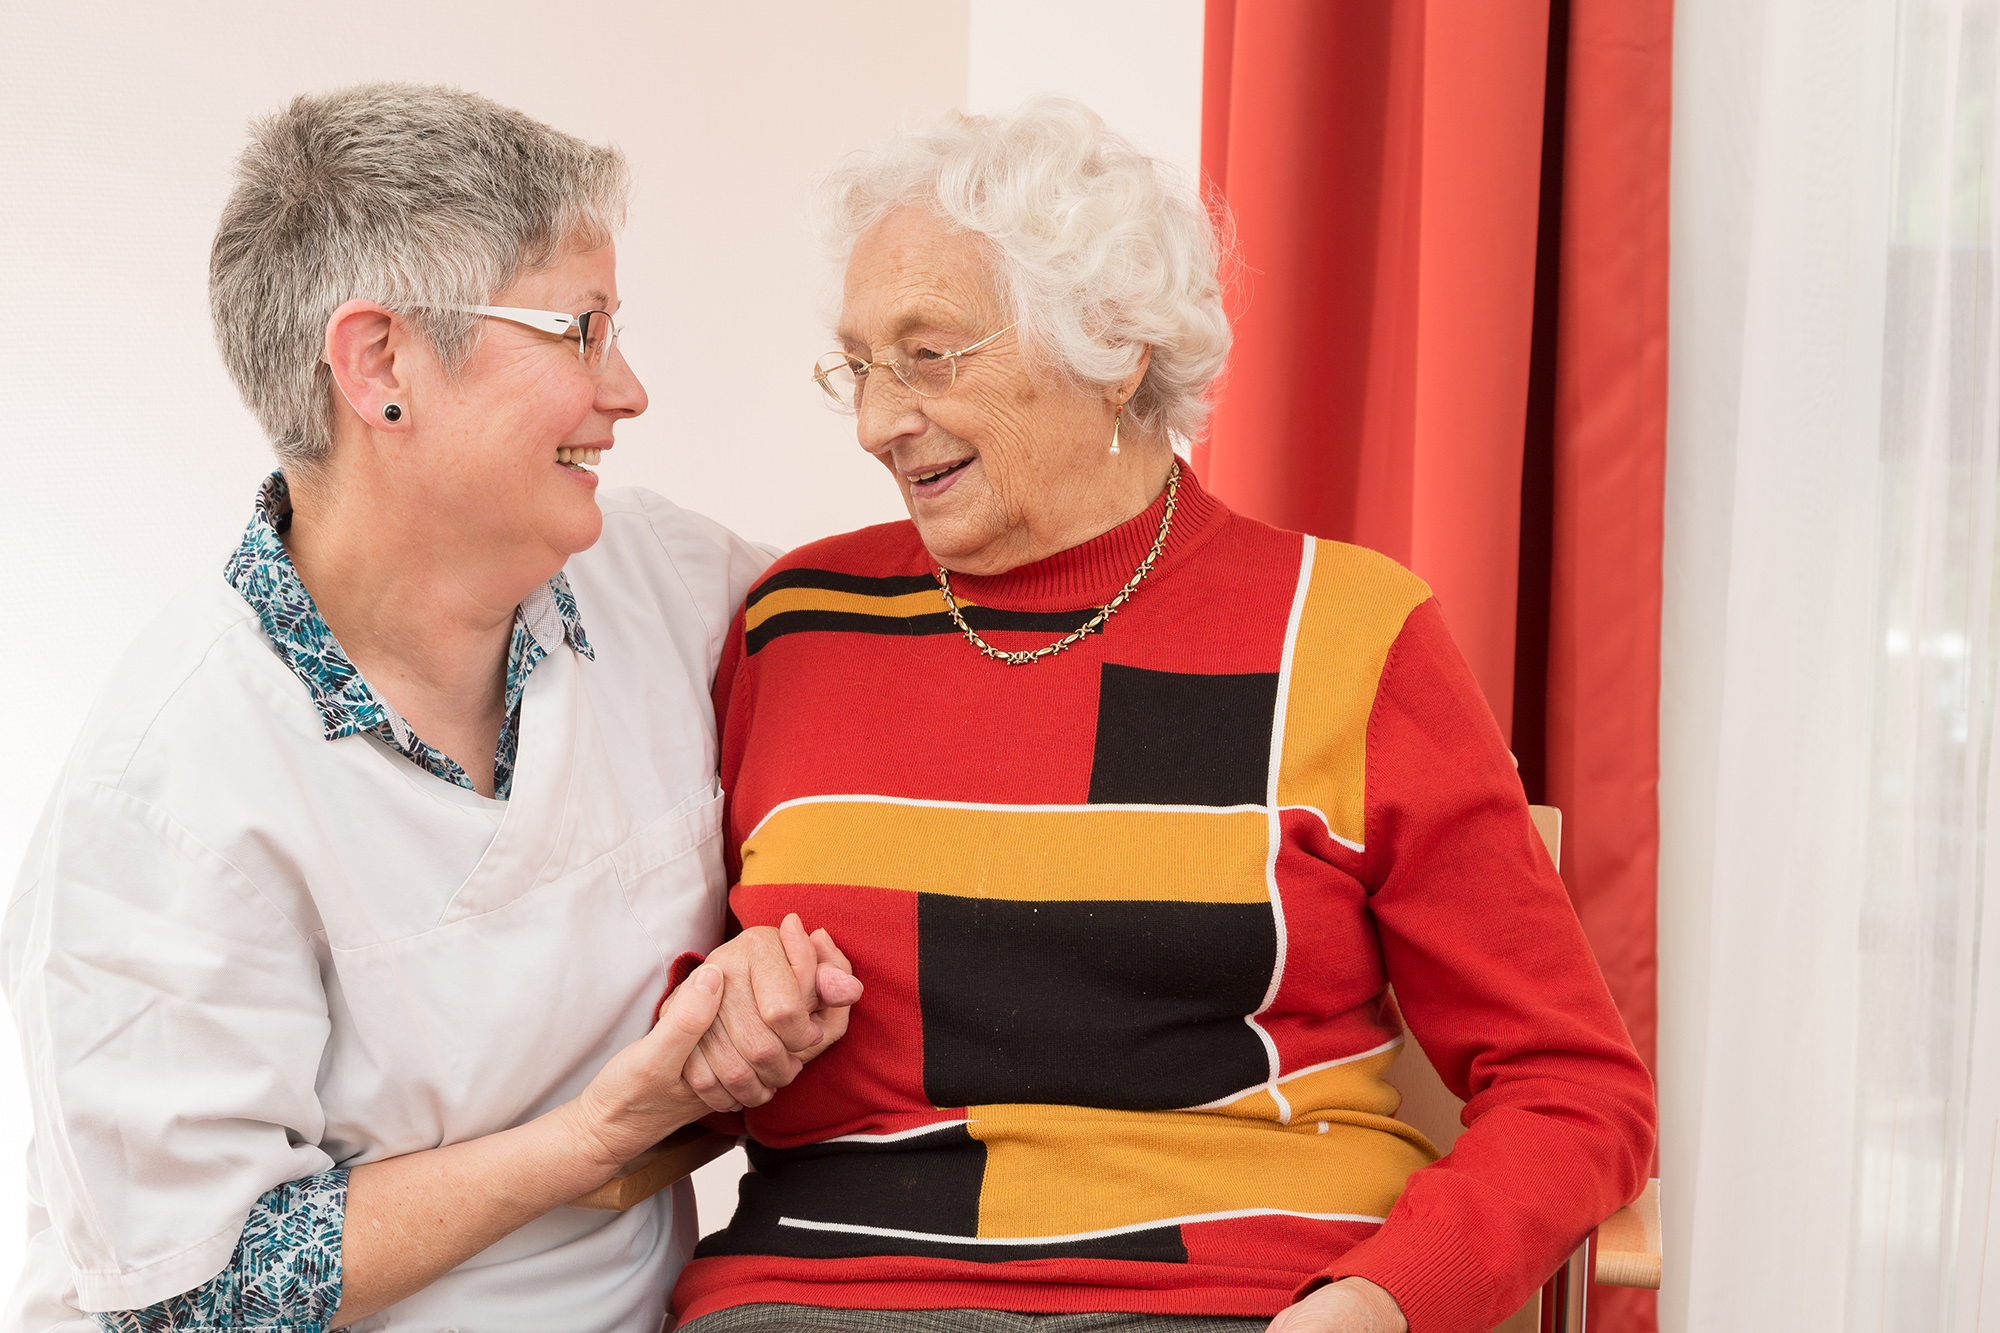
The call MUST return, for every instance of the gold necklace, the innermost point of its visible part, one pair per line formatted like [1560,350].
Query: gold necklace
[1090,626]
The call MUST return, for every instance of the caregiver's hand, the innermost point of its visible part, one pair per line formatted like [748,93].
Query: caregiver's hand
[414,1218]
[640,1096]
[1351,1305]
[786,1001]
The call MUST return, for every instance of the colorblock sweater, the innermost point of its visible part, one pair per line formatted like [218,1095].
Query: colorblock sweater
[1129,918]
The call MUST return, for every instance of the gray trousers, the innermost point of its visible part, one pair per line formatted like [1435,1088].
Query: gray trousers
[816,1319]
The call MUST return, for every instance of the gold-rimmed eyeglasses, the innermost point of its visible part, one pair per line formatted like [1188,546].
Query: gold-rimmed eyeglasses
[925,369]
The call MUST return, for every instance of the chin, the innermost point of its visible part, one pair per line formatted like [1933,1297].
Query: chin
[941,541]
[577,528]
[960,533]
[955,552]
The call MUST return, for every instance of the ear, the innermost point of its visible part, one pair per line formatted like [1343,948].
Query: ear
[362,341]
[1122,391]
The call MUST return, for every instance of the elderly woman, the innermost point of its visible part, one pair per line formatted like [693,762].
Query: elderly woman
[1130,810]
[337,953]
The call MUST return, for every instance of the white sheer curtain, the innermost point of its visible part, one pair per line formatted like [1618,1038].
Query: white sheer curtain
[1832,1061]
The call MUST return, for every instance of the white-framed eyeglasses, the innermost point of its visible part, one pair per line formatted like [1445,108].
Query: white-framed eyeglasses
[592,332]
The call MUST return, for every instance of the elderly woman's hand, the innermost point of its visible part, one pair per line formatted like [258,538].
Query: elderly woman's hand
[1351,1305]
[786,1000]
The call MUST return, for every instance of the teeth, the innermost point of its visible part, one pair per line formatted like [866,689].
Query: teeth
[591,456]
[579,457]
[563,455]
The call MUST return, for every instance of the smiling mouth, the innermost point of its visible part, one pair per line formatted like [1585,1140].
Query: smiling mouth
[928,477]
[575,459]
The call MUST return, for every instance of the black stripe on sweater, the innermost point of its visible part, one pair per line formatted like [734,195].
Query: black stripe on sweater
[985,619]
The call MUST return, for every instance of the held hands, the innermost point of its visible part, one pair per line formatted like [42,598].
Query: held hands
[741,1026]
[785,1001]
[1351,1305]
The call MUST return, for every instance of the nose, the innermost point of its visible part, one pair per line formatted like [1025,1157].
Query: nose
[888,412]
[619,393]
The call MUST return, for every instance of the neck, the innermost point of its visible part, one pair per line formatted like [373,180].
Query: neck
[1126,486]
[422,616]
[1092,572]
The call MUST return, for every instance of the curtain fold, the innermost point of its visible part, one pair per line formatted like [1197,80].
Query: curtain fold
[1391,175]
[1383,165]
[1602,691]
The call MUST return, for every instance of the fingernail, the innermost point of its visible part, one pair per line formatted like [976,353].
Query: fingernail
[708,979]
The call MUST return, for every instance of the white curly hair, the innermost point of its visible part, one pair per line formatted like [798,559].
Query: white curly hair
[1102,250]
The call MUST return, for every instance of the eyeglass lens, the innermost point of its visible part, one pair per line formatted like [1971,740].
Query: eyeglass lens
[926,370]
[599,336]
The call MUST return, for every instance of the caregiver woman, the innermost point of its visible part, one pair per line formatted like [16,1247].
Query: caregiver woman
[336,953]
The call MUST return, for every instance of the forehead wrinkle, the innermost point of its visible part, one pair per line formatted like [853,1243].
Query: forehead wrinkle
[914,271]
[926,309]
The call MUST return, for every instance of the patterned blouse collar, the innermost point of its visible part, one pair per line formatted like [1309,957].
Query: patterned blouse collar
[261,570]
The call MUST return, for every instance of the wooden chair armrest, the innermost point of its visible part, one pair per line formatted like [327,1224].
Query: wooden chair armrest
[1628,1243]
[671,1159]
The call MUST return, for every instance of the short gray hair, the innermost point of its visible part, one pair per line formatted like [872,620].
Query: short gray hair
[1102,250]
[418,197]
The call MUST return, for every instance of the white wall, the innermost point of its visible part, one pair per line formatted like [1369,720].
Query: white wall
[131,464]
[1137,62]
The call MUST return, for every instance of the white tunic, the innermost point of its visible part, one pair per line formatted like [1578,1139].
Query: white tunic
[240,953]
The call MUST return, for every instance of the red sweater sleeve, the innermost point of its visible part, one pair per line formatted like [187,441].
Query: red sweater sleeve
[1494,977]
[725,694]
[732,699]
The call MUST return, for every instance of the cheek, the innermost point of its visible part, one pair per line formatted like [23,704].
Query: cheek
[531,422]
[1004,432]
[563,405]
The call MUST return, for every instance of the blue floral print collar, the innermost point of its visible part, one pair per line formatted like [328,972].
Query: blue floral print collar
[261,570]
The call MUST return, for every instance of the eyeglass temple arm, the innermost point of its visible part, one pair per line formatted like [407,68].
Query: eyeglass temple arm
[967,351]
[546,320]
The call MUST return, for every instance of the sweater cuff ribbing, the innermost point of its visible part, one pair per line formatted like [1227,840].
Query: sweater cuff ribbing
[1426,1265]
[678,971]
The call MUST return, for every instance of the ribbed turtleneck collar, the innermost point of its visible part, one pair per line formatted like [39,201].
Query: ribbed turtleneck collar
[1089,574]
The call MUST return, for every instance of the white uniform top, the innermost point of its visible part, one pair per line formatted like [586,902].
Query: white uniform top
[240,953]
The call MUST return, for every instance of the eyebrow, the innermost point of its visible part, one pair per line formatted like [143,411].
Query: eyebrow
[923,317]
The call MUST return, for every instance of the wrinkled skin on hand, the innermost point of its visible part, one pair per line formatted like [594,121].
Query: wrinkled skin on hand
[785,1000]
[1351,1305]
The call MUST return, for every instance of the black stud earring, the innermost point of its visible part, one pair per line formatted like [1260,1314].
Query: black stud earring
[392,412]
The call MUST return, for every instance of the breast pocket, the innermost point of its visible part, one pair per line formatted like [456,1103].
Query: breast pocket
[672,876]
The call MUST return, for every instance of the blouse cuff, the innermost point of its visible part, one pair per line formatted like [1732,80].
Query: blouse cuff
[284,1276]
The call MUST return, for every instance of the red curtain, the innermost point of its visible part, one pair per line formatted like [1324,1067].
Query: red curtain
[1451,347]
